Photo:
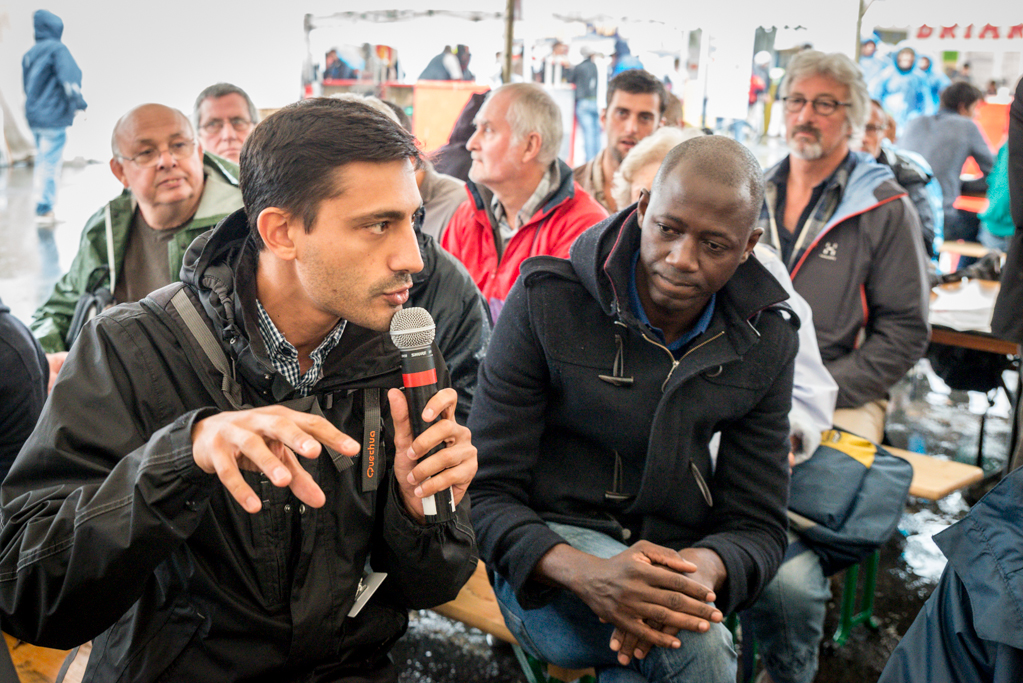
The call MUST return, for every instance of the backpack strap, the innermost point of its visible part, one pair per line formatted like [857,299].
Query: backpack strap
[110,248]
[191,331]
[229,386]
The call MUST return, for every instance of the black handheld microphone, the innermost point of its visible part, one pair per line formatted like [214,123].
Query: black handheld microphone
[412,331]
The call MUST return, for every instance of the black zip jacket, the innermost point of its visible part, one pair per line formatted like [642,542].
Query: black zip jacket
[581,417]
[112,533]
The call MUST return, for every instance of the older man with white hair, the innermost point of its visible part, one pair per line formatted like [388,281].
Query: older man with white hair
[522,200]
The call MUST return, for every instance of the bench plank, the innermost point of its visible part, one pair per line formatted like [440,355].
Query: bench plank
[477,606]
[934,478]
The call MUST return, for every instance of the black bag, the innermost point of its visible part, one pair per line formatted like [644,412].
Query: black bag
[89,305]
[846,500]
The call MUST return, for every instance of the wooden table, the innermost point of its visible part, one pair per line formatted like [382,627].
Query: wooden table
[978,341]
[963,248]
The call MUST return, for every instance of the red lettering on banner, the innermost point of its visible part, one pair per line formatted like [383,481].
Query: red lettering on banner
[949,31]
[993,30]
[924,32]
[969,31]
[1015,31]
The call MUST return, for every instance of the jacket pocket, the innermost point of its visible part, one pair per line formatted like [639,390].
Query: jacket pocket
[146,654]
[369,636]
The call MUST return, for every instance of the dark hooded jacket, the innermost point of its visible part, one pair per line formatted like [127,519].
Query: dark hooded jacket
[112,533]
[52,79]
[971,628]
[454,159]
[580,417]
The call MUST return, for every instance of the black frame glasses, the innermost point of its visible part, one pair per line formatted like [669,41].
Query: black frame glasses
[822,106]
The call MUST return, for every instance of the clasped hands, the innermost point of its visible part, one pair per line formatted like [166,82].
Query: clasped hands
[650,592]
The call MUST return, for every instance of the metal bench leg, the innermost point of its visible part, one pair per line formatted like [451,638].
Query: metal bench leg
[531,667]
[535,670]
[848,620]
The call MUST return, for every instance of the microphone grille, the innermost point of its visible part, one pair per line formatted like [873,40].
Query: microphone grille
[412,328]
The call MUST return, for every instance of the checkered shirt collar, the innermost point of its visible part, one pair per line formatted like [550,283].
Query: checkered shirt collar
[551,179]
[284,356]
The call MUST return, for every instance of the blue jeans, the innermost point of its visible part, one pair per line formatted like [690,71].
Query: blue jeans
[49,155]
[788,619]
[991,240]
[589,123]
[567,633]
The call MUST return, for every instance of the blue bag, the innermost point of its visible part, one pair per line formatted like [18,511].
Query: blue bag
[846,500]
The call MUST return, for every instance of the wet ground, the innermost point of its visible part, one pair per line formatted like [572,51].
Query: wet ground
[924,415]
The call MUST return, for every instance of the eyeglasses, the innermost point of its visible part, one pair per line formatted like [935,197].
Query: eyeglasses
[822,106]
[872,128]
[214,126]
[179,149]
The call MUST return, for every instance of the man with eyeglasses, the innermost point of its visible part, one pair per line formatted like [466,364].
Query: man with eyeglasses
[851,240]
[173,192]
[224,115]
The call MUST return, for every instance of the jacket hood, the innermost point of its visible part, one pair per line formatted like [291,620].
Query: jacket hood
[986,551]
[602,259]
[930,66]
[907,169]
[895,58]
[213,265]
[48,26]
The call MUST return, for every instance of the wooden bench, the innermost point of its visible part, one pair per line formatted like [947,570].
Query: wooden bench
[476,606]
[934,478]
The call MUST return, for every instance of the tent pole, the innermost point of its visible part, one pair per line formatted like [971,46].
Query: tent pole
[509,31]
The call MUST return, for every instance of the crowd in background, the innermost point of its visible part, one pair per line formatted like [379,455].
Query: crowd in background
[650,278]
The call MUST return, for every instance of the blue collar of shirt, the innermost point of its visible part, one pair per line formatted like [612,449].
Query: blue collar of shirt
[696,330]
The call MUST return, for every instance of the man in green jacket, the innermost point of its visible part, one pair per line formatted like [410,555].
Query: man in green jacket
[134,244]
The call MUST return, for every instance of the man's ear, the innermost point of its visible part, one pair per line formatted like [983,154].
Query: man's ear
[117,168]
[533,144]
[641,206]
[754,237]
[603,118]
[277,228]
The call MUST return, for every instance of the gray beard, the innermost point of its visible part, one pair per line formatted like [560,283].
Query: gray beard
[810,151]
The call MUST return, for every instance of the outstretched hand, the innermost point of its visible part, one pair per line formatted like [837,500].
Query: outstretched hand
[266,440]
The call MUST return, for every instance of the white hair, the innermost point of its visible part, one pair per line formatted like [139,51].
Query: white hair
[532,110]
[650,150]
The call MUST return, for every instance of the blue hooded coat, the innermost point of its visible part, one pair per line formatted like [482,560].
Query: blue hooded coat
[902,92]
[971,628]
[52,79]
[936,82]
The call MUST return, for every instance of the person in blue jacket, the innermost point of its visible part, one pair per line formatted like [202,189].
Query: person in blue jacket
[872,61]
[901,88]
[936,82]
[53,94]
[971,628]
